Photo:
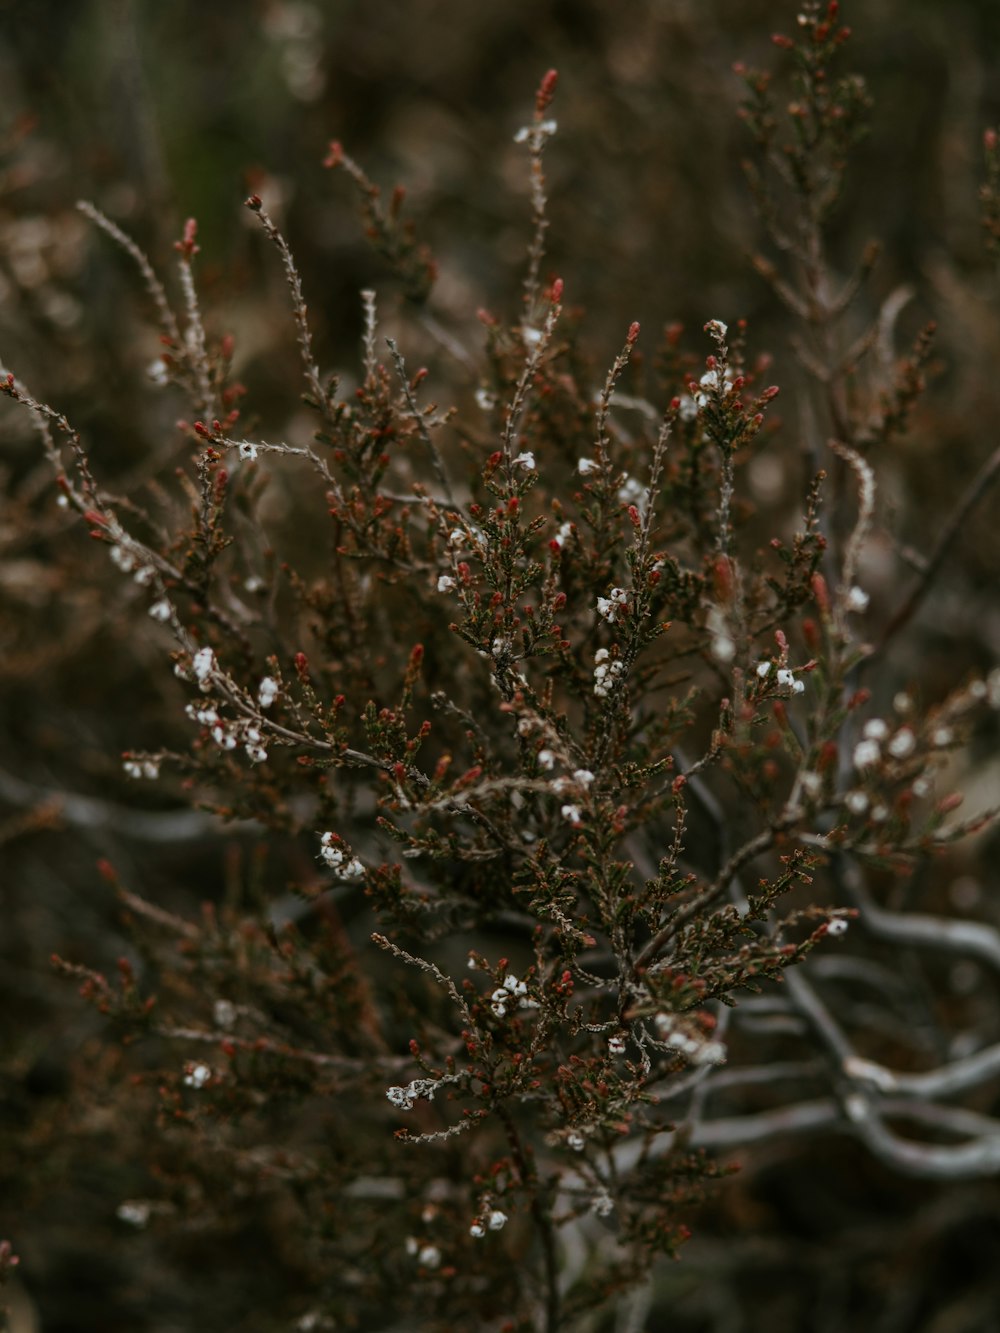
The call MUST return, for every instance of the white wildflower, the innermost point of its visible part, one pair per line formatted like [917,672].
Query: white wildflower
[158,372]
[132,768]
[248,452]
[798,687]
[255,752]
[525,460]
[576,1141]
[856,802]
[267,692]
[716,328]
[497,1220]
[857,599]
[150,769]
[224,1013]
[585,466]
[942,736]
[531,335]
[812,783]
[875,730]
[571,813]
[144,576]
[602,1204]
[711,1053]
[445,583]
[197,1075]
[838,926]
[134,1211]
[610,607]
[429,1256]
[583,776]
[616,1044]
[203,664]
[160,610]
[763,669]
[546,759]
[866,753]
[122,558]
[477,1231]
[563,535]
[688,408]
[785,678]
[902,744]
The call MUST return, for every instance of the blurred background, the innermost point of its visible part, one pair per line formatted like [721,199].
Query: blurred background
[158,112]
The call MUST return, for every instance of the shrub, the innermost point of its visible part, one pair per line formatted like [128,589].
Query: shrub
[556,747]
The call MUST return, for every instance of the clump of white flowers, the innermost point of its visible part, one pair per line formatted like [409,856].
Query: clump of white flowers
[197,1075]
[142,768]
[267,692]
[606,672]
[512,989]
[611,607]
[338,857]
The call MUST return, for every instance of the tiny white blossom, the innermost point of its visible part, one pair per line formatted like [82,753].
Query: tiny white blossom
[496,1220]
[688,408]
[224,1013]
[583,776]
[197,1076]
[122,558]
[575,1141]
[132,768]
[401,1098]
[248,452]
[943,736]
[571,813]
[601,655]
[921,788]
[717,327]
[875,730]
[856,802]
[711,1053]
[150,769]
[838,926]
[456,537]
[585,466]
[812,783]
[514,986]
[477,1230]
[525,460]
[429,1256]
[798,687]
[256,753]
[902,744]
[445,583]
[763,669]
[254,583]
[134,1211]
[160,610]
[785,678]
[902,702]
[158,372]
[203,664]
[866,753]
[143,576]
[546,759]
[267,692]
[610,607]
[880,814]
[223,737]
[602,1204]
[531,335]
[563,535]
[499,1007]
[485,399]
[857,599]
[616,1044]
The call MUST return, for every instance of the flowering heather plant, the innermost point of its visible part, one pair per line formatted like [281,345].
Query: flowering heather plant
[583,785]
